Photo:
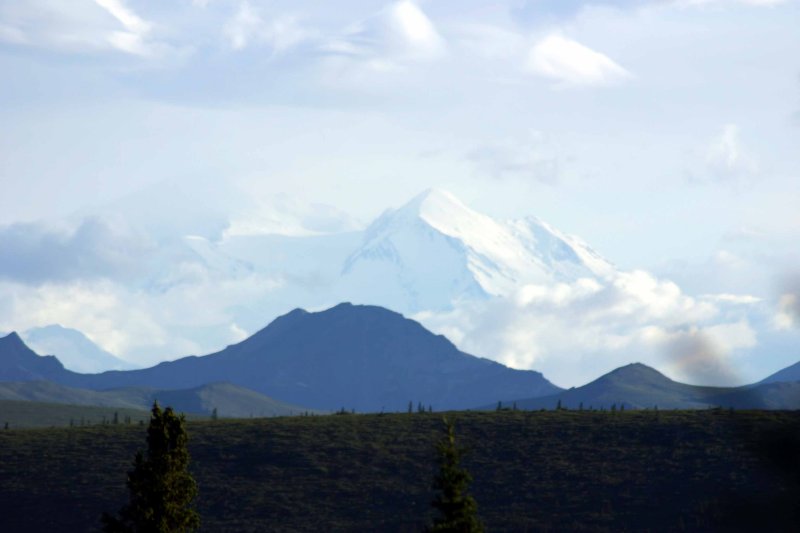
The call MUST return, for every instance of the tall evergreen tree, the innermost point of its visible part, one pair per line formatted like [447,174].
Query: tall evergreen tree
[458,512]
[161,488]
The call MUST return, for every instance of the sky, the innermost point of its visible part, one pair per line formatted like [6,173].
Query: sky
[665,133]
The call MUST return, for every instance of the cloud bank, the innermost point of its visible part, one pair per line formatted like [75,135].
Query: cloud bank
[574,332]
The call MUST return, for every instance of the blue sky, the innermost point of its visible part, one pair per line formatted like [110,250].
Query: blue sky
[665,133]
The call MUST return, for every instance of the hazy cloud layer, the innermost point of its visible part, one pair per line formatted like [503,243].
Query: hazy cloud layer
[532,157]
[34,253]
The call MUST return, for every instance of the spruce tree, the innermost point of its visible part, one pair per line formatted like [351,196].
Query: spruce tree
[161,488]
[458,512]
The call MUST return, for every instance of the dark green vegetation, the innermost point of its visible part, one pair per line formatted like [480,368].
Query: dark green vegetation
[25,414]
[162,490]
[458,512]
[637,386]
[556,471]
[229,400]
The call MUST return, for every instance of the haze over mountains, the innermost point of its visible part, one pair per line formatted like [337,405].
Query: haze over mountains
[520,292]
[74,350]
[365,358]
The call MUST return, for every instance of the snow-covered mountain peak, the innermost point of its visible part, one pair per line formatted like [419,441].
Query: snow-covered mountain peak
[460,252]
[433,201]
[568,254]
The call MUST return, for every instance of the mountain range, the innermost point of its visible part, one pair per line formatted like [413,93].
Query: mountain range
[517,291]
[358,357]
[355,357]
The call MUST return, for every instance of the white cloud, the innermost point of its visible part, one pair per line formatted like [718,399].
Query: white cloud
[398,35]
[575,331]
[130,20]
[194,314]
[97,309]
[135,39]
[726,158]
[744,299]
[573,64]
[82,27]
[414,30]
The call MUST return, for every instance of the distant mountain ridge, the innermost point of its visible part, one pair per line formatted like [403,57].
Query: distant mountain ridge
[637,386]
[357,357]
[20,363]
[371,359]
[73,349]
[789,374]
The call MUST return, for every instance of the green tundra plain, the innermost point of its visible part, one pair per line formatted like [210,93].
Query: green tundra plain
[706,470]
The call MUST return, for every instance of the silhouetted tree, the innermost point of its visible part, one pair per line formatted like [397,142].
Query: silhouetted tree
[558,405]
[458,511]
[161,488]
[214,414]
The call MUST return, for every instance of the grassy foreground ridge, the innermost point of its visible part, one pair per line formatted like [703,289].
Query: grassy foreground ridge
[533,471]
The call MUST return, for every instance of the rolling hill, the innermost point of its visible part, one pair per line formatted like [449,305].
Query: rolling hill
[637,386]
[229,400]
